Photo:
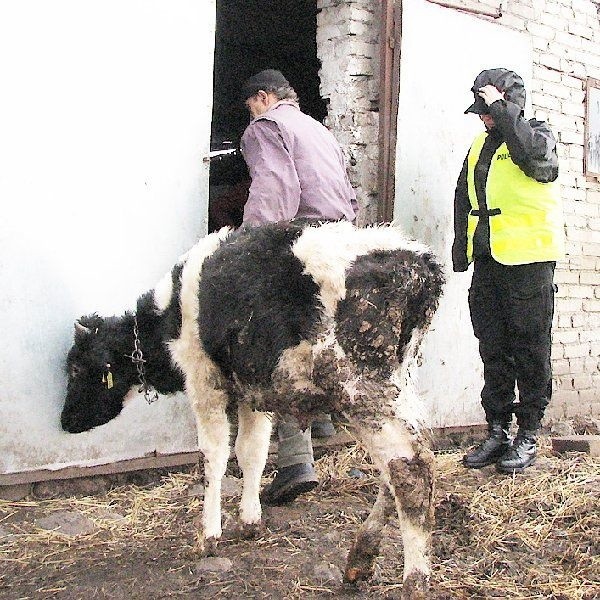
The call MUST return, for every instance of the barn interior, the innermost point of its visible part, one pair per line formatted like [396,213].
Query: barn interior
[252,35]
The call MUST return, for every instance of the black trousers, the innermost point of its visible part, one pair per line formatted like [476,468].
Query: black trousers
[511,312]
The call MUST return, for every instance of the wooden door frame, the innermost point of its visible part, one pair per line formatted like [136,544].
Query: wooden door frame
[389,92]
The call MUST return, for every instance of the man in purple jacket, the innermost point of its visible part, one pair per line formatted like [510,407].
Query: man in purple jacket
[297,170]
[296,165]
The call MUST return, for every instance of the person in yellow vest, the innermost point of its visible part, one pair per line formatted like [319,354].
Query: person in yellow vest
[508,222]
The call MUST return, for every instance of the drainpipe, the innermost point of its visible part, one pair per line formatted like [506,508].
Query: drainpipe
[389,81]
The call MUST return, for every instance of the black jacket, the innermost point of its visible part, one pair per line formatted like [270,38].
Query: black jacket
[532,148]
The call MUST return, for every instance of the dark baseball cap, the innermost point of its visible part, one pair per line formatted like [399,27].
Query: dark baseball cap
[503,80]
[267,80]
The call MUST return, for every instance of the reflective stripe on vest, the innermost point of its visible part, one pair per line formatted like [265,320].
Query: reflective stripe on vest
[525,216]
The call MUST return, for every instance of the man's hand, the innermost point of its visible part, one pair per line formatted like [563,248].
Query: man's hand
[490,94]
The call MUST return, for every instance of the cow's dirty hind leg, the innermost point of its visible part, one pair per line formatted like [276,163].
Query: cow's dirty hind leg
[412,483]
[365,549]
[406,467]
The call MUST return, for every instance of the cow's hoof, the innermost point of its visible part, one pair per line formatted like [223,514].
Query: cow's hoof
[416,587]
[360,564]
[207,547]
[355,574]
[250,531]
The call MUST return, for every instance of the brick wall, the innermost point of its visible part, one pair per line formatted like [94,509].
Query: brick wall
[566,39]
[347,45]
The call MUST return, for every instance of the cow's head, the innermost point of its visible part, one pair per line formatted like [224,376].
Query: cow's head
[100,375]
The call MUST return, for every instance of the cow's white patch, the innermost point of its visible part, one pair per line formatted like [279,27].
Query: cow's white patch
[393,440]
[202,383]
[328,250]
[408,405]
[296,364]
[213,440]
[163,292]
[186,350]
[415,540]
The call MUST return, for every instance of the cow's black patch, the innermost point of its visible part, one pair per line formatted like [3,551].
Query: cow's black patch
[255,301]
[155,330]
[388,295]
[171,321]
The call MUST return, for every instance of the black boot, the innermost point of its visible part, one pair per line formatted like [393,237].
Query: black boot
[521,455]
[289,483]
[491,449]
[322,427]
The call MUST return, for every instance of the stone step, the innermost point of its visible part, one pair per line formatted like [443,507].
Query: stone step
[590,444]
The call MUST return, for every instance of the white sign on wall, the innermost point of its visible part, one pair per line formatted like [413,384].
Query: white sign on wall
[104,118]
[442,52]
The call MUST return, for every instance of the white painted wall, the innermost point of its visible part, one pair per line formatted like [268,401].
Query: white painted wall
[104,119]
[442,52]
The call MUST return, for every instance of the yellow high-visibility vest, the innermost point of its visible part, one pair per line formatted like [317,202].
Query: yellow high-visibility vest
[526,221]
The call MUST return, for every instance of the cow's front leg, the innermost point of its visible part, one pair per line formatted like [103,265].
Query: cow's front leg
[213,441]
[252,449]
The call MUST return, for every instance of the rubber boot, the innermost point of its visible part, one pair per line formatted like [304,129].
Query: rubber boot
[491,449]
[521,455]
[322,426]
[289,483]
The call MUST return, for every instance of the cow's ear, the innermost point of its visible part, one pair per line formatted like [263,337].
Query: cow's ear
[81,329]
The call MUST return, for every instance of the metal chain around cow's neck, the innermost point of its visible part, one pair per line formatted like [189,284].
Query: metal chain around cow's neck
[137,358]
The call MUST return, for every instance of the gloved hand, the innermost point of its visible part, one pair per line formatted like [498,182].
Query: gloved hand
[490,94]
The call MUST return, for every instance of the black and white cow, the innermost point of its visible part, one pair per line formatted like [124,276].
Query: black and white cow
[296,317]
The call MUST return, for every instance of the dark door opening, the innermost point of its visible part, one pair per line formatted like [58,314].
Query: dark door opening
[252,35]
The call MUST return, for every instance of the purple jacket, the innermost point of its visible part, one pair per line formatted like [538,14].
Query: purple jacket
[297,169]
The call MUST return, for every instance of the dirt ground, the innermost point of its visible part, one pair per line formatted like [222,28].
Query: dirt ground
[532,536]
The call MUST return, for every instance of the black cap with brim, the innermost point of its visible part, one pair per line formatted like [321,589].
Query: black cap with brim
[267,80]
[479,107]
[504,80]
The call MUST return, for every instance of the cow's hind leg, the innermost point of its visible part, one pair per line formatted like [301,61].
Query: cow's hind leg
[365,549]
[252,449]
[412,483]
[406,466]
[213,441]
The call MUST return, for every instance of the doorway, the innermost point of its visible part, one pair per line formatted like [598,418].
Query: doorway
[252,35]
